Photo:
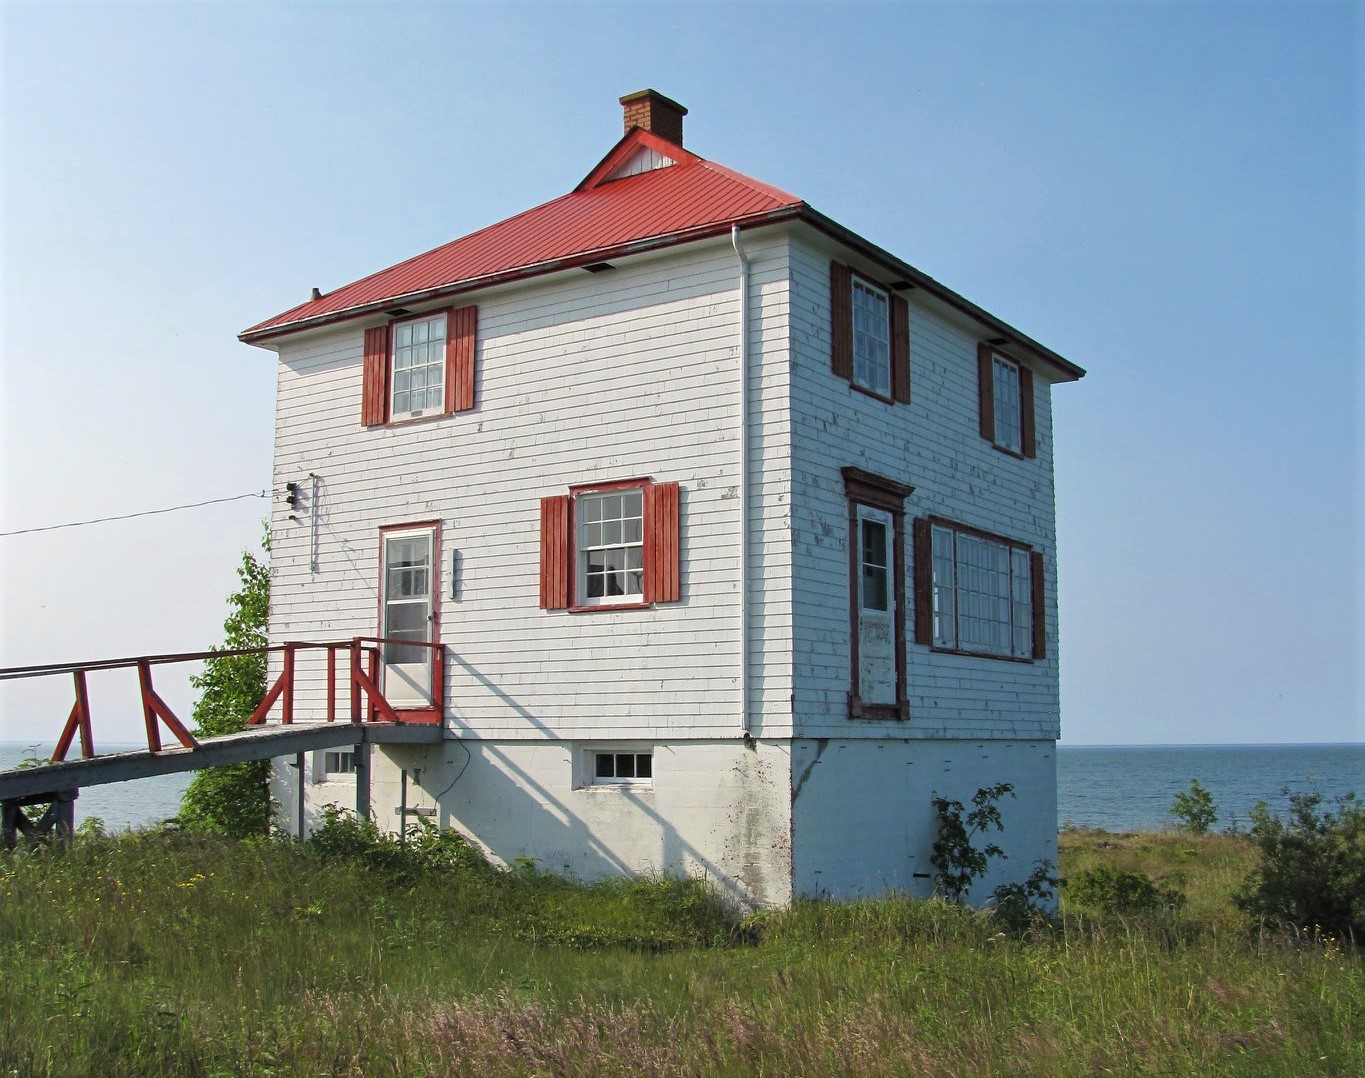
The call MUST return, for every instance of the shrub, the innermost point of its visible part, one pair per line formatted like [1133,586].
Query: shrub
[1114,890]
[958,863]
[1312,865]
[1019,906]
[1195,809]
[424,850]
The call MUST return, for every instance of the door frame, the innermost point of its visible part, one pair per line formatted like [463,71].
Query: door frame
[433,711]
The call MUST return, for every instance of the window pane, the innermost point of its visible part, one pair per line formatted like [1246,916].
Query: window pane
[644,766]
[605,765]
[625,765]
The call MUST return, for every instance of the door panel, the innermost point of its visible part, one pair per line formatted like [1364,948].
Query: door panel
[407,612]
[876,607]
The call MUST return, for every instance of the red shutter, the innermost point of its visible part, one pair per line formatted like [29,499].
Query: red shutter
[1039,606]
[841,320]
[1029,437]
[461,335]
[900,349]
[556,552]
[374,390]
[663,544]
[985,365]
[923,538]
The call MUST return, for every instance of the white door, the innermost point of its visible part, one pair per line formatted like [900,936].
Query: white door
[876,607]
[407,613]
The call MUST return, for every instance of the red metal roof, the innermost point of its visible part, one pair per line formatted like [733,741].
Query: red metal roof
[601,218]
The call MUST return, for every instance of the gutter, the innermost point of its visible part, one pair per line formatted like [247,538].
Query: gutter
[743,482]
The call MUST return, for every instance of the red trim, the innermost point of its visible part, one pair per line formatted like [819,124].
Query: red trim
[461,341]
[629,143]
[841,321]
[900,348]
[374,392]
[612,606]
[1028,437]
[438,690]
[556,523]
[1038,595]
[985,392]
[614,484]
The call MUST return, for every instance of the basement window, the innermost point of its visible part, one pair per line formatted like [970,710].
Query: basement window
[613,768]
[339,763]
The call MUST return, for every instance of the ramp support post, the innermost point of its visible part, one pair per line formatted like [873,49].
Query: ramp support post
[362,781]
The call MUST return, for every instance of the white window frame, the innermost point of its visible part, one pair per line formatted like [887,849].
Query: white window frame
[592,754]
[875,331]
[987,582]
[339,757]
[633,548]
[1007,396]
[432,345]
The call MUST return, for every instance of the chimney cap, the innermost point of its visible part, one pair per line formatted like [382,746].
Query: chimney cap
[653,95]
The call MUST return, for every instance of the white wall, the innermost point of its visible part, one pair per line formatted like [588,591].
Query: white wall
[581,378]
[862,822]
[933,444]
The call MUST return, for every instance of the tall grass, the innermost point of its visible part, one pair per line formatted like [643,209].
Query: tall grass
[167,954]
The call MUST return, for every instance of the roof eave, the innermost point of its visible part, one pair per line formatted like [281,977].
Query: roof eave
[537,269]
[1068,371]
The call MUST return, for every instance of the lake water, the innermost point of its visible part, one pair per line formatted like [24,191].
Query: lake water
[1114,788]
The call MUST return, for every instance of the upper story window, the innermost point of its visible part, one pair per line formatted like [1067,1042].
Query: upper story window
[871,339]
[1006,398]
[419,363]
[869,336]
[419,367]
[606,546]
[978,593]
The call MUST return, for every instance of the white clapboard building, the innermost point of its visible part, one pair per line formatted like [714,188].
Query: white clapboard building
[734,532]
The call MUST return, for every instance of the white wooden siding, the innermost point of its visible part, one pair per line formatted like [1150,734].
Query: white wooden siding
[935,445]
[589,377]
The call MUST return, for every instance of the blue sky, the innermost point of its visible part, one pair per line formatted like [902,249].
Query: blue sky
[1169,195]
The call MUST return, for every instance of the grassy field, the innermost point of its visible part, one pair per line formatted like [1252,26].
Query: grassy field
[158,954]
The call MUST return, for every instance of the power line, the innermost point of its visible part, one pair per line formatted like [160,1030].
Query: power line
[131,516]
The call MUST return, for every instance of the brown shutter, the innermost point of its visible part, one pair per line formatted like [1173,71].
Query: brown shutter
[556,552]
[923,538]
[900,349]
[1029,438]
[461,335]
[374,390]
[985,366]
[663,544]
[1039,607]
[841,320]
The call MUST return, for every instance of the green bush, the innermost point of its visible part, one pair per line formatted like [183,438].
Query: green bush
[957,862]
[1312,866]
[424,850]
[1195,809]
[1107,889]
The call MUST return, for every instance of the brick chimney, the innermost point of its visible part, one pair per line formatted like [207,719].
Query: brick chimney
[652,111]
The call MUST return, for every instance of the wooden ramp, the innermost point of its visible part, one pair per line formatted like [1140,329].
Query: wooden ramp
[372,721]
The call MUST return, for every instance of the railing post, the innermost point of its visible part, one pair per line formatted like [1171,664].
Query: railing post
[374,680]
[144,680]
[331,684]
[438,681]
[287,707]
[83,702]
[355,680]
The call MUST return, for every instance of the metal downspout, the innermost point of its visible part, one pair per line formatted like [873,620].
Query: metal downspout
[743,482]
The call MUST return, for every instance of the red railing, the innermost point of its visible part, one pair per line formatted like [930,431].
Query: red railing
[366,698]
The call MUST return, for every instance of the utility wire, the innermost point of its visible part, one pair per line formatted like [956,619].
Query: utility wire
[131,516]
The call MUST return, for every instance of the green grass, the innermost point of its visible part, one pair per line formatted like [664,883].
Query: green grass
[166,954]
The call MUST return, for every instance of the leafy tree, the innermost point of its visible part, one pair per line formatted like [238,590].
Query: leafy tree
[1195,809]
[957,861]
[1312,869]
[233,799]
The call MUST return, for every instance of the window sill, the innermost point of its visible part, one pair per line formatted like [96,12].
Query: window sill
[1028,660]
[870,393]
[1015,453]
[609,606]
[858,709]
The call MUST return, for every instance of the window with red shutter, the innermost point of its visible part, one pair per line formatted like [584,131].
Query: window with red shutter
[1005,392]
[419,366]
[610,546]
